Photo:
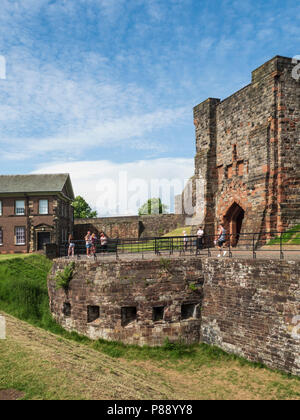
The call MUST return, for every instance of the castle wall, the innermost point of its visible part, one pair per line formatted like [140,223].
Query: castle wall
[142,285]
[130,226]
[252,308]
[247,151]
[247,307]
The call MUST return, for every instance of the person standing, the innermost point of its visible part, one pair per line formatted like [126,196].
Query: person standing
[221,239]
[93,247]
[71,245]
[103,242]
[200,234]
[185,240]
[88,243]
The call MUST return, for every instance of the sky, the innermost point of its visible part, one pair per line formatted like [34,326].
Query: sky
[105,89]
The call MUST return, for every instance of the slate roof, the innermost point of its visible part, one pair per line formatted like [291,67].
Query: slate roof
[36,184]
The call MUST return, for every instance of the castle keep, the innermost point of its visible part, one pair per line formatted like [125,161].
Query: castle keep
[247,154]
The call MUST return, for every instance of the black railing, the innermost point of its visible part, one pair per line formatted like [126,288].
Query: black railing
[246,245]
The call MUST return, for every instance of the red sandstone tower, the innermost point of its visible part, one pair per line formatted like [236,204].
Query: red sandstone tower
[248,153]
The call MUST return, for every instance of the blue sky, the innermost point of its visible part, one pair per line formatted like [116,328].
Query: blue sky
[97,87]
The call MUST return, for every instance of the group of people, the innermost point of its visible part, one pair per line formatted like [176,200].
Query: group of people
[219,242]
[90,244]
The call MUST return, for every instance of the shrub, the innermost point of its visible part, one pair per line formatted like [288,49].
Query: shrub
[64,277]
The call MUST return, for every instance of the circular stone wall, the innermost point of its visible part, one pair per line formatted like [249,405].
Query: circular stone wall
[140,302]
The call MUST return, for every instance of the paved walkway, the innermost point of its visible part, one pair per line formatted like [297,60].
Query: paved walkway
[269,254]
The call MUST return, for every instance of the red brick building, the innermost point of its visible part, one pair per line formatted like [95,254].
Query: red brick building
[34,210]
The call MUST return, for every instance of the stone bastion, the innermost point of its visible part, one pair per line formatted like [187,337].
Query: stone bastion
[247,307]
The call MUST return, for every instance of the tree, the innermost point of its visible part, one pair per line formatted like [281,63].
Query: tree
[82,210]
[153,206]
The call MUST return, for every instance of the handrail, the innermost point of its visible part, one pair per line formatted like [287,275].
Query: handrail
[234,245]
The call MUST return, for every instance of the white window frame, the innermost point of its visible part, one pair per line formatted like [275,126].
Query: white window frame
[20,208]
[0,207]
[18,236]
[44,207]
[1,236]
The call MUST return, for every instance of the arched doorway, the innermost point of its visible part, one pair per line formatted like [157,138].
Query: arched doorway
[234,220]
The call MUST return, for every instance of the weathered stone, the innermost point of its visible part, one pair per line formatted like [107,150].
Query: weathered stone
[130,226]
[249,307]
[248,153]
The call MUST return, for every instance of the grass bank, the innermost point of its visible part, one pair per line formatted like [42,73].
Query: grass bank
[45,366]
[290,237]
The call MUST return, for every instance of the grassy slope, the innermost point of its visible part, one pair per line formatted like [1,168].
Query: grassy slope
[47,366]
[150,245]
[290,237]
[12,256]
[179,231]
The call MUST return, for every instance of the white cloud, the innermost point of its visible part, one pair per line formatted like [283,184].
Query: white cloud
[120,189]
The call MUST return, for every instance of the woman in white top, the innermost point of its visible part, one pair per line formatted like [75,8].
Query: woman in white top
[200,234]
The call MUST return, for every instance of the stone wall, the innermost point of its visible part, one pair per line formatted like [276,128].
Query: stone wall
[113,287]
[129,226]
[248,153]
[247,307]
[250,309]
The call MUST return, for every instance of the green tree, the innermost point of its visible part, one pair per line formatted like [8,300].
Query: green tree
[153,206]
[82,210]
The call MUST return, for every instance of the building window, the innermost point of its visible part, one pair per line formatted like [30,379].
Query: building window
[64,235]
[1,236]
[20,236]
[66,309]
[93,313]
[234,152]
[20,207]
[240,168]
[128,315]
[220,171]
[158,313]
[43,207]
[190,310]
[0,208]
[229,171]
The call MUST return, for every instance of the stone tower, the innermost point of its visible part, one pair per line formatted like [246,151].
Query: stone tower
[248,154]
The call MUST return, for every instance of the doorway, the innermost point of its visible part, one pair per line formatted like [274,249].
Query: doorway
[43,238]
[234,220]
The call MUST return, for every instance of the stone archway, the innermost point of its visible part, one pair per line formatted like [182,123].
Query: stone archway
[233,220]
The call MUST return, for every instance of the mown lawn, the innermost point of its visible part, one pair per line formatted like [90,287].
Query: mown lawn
[45,366]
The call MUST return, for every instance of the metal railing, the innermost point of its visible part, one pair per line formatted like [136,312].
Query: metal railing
[246,245]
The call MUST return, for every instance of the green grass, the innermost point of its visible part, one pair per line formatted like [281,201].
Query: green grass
[12,256]
[161,244]
[290,237]
[179,231]
[24,294]
[23,290]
